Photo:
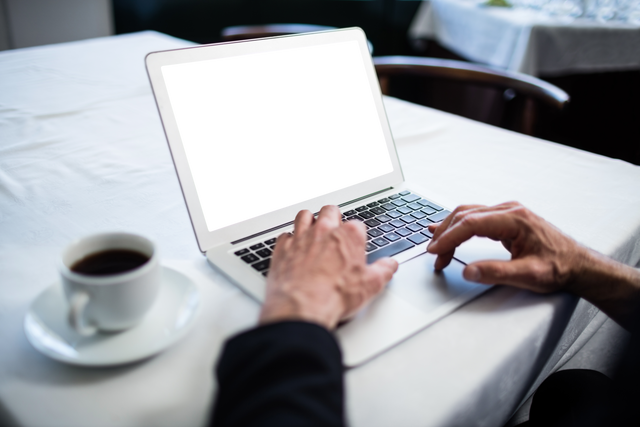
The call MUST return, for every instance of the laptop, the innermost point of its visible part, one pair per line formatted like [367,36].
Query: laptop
[261,129]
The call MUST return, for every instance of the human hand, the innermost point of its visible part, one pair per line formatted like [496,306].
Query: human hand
[319,274]
[543,259]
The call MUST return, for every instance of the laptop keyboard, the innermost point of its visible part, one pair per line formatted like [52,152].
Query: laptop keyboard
[394,224]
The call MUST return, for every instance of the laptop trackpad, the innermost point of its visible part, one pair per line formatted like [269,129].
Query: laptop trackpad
[419,284]
[416,297]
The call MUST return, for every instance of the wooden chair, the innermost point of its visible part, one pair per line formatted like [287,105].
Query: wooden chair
[424,80]
[245,32]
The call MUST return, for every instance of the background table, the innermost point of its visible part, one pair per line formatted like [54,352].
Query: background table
[82,151]
[526,40]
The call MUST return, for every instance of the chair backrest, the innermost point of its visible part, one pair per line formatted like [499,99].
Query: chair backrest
[243,32]
[513,84]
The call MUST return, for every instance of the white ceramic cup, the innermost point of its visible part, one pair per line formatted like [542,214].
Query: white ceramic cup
[112,302]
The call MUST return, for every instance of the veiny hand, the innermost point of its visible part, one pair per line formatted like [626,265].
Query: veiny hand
[319,274]
[543,259]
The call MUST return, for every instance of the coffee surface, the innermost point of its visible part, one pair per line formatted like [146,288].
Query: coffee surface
[112,261]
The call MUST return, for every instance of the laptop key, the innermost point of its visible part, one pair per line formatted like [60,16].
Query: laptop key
[392,237]
[424,223]
[270,241]
[366,215]
[410,198]
[389,250]
[381,241]
[262,265]
[383,218]
[418,238]
[256,246]
[372,222]
[394,196]
[404,210]
[403,232]
[350,213]
[394,214]
[439,216]
[397,223]
[374,232]
[436,207]
[408,219]
[361,208]
[405,193]
[377,210]
[249,258]
[418,215]
[370,247]
[386,228]
[389,207]
[399,202]
[414,206]
[414,227]
[382,201]
[372,204]
[264,253]
[242,252]
[429,210]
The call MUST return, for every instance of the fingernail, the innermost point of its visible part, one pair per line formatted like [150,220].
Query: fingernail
[472,273]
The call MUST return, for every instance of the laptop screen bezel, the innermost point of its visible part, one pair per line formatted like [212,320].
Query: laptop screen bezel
[209,239]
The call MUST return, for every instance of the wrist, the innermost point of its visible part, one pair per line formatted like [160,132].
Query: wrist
[278,309]
[611,286]
[580,270]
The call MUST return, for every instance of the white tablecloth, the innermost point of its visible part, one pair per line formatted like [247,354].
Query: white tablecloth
[82,150]
[528,41]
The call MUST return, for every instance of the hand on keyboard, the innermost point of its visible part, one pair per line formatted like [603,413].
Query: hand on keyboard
[319,274]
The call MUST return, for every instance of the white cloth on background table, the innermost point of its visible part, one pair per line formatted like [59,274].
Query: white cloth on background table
[82,151]
[526,40]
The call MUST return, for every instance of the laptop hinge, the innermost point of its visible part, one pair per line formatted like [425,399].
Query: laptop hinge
[286,224]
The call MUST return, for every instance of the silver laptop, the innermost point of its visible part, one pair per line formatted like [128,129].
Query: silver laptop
[261,129]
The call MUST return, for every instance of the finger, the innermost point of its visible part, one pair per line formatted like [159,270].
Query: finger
[384,269]
[433,227]
[303,221]
[357,231]
[484,223]
[443,260]
[282,243]
[449,220]
[329,217]
[377,275]
[525,273]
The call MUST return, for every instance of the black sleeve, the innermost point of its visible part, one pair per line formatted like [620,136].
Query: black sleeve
[281,374]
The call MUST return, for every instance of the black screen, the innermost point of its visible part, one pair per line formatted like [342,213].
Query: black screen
[269,130]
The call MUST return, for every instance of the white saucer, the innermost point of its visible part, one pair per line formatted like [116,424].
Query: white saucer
[170,318]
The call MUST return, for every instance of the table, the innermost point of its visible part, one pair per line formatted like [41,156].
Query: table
[526,40]
[82,150]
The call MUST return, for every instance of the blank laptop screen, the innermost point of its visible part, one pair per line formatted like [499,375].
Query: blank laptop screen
[265,131]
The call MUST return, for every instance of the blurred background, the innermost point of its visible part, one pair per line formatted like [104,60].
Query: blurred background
[601,117]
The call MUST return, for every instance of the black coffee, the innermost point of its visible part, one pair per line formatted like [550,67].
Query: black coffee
[111,261]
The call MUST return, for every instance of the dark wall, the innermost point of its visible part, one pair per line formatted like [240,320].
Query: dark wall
[385,21]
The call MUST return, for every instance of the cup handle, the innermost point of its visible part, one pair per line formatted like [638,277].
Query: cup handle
[78,303]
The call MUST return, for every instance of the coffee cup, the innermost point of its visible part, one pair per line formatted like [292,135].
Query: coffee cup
[110,281]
